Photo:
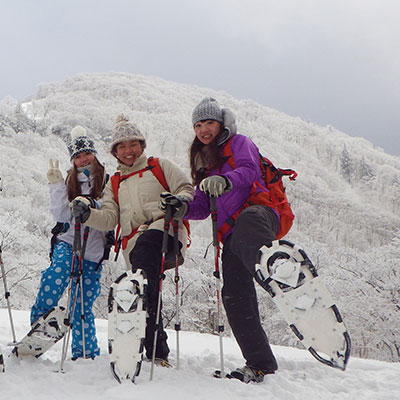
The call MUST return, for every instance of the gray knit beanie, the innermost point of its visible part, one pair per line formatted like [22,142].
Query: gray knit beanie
[208,108]
[125,130]
[80,143]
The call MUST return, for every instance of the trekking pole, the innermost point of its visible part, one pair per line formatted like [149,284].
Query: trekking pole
[85,238]
[7,295]
[164,250]
[78,252]
[67,321]
[217,274]
[175,225]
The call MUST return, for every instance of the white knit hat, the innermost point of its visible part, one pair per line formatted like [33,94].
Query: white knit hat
[80,143]
[125,130]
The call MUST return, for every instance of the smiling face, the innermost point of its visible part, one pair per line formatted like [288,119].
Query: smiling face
[128,151]
[206,131]
[84,159]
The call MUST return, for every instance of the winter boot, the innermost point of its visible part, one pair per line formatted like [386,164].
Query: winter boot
[248,374]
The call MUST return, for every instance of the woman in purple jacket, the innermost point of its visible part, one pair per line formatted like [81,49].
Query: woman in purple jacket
[255,226]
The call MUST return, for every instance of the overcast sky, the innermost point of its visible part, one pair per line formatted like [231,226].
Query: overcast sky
[332,62]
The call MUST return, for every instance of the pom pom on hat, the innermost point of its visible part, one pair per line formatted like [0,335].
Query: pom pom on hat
[77,132]
[80,143]
[125,130]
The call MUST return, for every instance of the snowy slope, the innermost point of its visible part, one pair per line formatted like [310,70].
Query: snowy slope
[346,198]
[300,377]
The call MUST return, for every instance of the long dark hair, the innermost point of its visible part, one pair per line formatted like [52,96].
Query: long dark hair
[74,187]
[204,158]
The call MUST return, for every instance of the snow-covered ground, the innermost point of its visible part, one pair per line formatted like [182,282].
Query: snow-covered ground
[300,377]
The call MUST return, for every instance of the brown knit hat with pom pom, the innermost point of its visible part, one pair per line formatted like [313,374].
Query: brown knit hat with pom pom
[125,130]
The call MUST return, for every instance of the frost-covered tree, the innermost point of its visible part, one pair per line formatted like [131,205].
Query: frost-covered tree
[346,198]
[346,164]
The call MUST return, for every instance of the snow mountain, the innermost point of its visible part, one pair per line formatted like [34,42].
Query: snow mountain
[346,198]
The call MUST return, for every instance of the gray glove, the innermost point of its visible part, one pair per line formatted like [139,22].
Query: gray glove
[215,185]
[80,208]
[178,204]
[54,174]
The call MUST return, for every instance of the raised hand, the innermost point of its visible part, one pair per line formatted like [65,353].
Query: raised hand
[54,174]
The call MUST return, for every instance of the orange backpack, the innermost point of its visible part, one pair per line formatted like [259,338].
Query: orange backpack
[275,197]
[153,165]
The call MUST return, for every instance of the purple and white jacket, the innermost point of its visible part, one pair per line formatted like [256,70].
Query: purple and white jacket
[247,171]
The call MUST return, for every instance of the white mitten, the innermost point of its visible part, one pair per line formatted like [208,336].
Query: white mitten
[54,174]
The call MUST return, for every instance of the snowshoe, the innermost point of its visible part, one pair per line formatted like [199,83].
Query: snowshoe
[218,374]
[161,362]
[287,274]
[246,374]
[127,324]
[45,333]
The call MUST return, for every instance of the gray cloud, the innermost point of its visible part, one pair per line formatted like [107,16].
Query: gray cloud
[332,62]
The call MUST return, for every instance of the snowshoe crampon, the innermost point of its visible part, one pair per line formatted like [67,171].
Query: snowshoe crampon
[290,278]
[45,333]
[160,362]
[127,312]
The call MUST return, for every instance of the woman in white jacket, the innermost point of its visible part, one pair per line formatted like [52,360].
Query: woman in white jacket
[87,178]
[134,205]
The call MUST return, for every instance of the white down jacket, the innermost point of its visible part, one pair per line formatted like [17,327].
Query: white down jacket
[138,199]
[61,212]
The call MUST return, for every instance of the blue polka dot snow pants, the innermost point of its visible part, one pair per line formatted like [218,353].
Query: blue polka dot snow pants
[53,283]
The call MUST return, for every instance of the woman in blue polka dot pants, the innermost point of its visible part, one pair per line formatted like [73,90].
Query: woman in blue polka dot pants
[55,280]
[86,177]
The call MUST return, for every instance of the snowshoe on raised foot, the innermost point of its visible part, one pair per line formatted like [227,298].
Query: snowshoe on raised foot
[127,312]
[45,333]
[290,278]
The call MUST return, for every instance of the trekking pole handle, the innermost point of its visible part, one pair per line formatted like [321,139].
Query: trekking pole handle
[213,209]
[167,218]
[77,234]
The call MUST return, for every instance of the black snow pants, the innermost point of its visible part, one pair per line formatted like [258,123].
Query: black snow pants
[146,255]
[255,226]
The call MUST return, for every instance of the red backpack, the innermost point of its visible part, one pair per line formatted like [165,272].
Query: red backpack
[153,165]
[275,197]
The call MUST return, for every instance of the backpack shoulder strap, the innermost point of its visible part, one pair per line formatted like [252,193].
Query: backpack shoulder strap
[153,165]
[157,171]
[106,178]
[59,227]
[115,181]
[227,153]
